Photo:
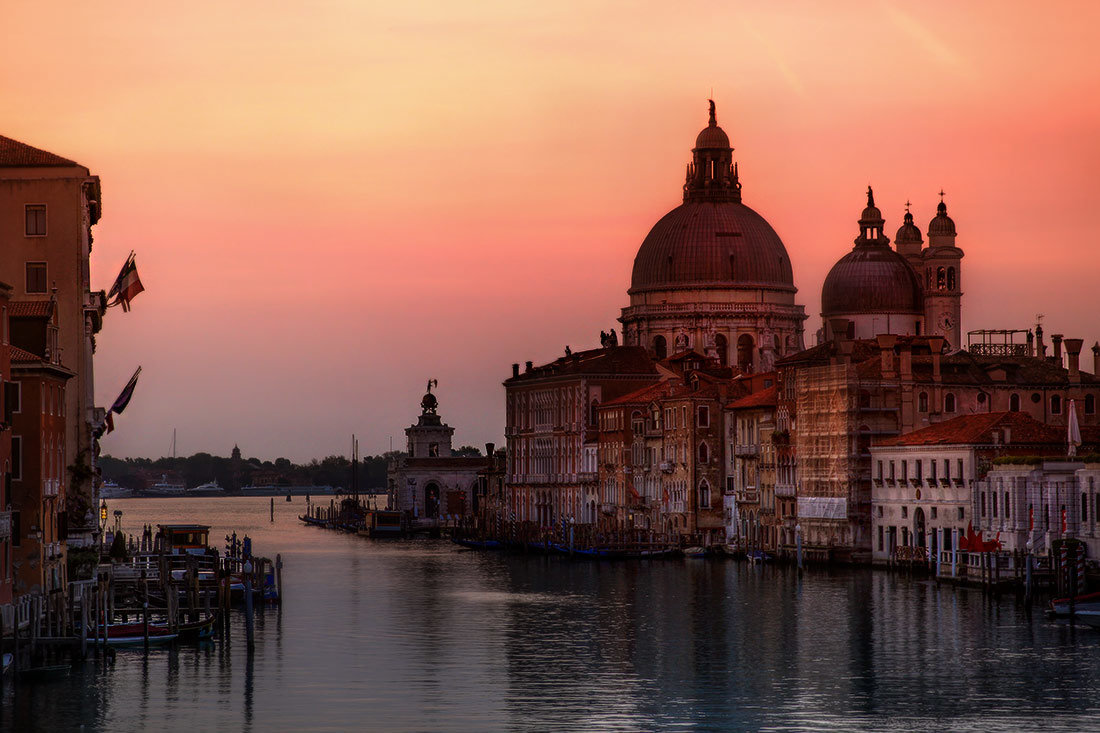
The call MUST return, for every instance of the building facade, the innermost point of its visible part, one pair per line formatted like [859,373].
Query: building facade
[48,206]
[429,481]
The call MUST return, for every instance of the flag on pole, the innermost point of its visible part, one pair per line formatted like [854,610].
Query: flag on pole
[126,394]
[127,284]
[109,422]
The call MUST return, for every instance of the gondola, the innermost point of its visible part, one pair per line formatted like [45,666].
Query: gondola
[478,544]
[198,630]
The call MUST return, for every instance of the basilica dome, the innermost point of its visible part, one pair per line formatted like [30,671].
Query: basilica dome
[712,241]
[872,278]
[703,244]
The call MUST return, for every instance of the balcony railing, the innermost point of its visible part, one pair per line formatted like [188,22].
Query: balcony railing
[667,466]
[746,449]
[5,525]
[786,491]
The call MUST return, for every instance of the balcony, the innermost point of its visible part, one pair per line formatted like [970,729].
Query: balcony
[785,491]
[587,476]
[747,496]
[5,525]
[50,487]
[667,466]
[746,450]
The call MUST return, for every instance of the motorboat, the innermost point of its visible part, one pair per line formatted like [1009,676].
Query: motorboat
[111,490]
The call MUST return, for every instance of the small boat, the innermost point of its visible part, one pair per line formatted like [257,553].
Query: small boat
[695,551]
[313,520]
[380,523]
[111,490]
[49,672]
[758,556]
[477,544]
[134,634]
[1090,618]
[1085,602]
[198,630]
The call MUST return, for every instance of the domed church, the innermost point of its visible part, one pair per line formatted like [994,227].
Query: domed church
[911,291]
[712,275]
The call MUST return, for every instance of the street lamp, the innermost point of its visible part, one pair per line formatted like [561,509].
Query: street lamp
[103,514]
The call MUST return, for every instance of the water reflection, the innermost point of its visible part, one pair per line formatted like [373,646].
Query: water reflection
[423,636]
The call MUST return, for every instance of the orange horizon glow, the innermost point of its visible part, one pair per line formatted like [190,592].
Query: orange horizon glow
[332,202]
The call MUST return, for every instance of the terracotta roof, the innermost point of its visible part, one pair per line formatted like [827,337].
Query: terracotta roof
[645,395]
[14,154]
[618,360]
[30,309]
[762,398]
[22,356]
[979,429]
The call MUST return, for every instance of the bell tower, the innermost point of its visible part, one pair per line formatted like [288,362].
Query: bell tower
[942,279]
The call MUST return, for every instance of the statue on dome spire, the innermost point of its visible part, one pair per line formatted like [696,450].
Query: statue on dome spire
[870,196]
[713,116]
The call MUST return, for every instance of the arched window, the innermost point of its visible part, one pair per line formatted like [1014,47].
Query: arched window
[722,346]
[704,453]
[660,347]
[922,402]
[1056,404]
[704,494]
[950,278]
[941,278]
[1014,403]
[949,402]
[1090,404]
[744,352]
[864,398]
[592,414]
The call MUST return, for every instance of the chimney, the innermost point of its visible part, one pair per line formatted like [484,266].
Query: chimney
[1041,350]
[489,450]
[844,349]
[906,362]
[1073,354]
[1096,358]
[1057,339]
[515,370]
[839,329]
[936,344]
[530,365]
[886,342]
[1030,343]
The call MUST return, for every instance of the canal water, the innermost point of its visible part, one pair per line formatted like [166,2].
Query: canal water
[420,635]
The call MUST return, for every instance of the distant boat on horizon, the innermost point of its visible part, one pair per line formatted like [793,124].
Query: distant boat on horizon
[210,487]
[166,488]
[111,490]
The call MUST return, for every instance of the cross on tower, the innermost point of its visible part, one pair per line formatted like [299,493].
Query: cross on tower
[941,195]
[906,206]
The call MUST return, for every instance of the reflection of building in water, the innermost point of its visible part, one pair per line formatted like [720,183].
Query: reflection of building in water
[430,479]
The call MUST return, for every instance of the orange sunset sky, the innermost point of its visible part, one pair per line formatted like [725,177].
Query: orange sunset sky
[333,201]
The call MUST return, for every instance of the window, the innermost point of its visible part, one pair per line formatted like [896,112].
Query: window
[704,495]
[660,347]
[1014,403]
[905,470]
[891,470]
[934,513]
[983,505]
[1056,404]
[993,500]
[36,277]
[1084,508]
[704,453]
[950,278]
[880,470]
[949,402]
[962,514]
[920,470]
[1004,507]
[1090,404]
[905,512]
[704,416]
[36,220]
[922,402]
[880,533]
[959,477]
[16,458]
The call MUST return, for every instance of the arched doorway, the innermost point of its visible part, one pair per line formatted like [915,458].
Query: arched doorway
[722,346]
[918,527]
[431,500]
[660,347]
[744,352]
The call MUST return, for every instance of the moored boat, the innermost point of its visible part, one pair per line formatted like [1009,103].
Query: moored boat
[1090,618]
[1085,602]
[133,634]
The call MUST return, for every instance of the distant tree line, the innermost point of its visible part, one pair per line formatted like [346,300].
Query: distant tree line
[140,473]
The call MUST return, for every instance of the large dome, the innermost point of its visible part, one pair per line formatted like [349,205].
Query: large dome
[702,244]
[871,279]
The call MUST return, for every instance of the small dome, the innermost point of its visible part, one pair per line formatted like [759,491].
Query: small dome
[712,135]
[429,403]
[942,225]
[871,279]
[908,233]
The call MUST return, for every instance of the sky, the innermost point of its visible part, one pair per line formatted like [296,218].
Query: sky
[332,202]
